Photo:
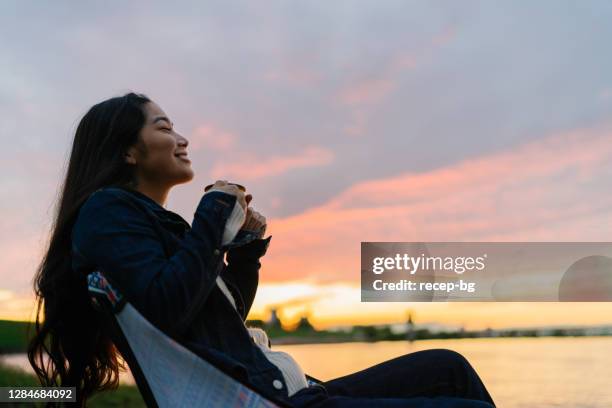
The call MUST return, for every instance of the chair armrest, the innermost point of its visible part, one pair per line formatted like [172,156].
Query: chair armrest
[312,380]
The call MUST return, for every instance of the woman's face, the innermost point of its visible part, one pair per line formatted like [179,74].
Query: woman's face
[160,155]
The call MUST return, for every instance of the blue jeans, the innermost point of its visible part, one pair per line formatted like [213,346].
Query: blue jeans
[429,378]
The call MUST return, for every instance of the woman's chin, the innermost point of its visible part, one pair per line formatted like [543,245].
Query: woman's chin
[185,177]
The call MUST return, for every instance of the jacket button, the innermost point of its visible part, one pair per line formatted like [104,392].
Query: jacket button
[277,384]
[216,252]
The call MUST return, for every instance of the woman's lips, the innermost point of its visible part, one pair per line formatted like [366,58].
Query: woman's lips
[183,156]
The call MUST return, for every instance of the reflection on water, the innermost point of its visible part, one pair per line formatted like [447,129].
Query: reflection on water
[519,373]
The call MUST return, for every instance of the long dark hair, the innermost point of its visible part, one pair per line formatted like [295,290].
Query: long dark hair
[68,348]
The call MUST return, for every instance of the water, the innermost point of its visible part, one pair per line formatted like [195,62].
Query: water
[21,361]
[519,373]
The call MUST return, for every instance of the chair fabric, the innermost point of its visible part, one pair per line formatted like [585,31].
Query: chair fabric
[167,373]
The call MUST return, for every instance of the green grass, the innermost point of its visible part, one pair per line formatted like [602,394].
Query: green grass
[14,377]
[13,339]
[13,336]
[124,396]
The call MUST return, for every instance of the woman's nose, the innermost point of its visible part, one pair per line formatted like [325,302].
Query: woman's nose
[182,141]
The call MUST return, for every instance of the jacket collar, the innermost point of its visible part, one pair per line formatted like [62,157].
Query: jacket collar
[151,203]
[161,212]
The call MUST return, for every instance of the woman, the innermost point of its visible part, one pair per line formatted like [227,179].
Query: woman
[125,158]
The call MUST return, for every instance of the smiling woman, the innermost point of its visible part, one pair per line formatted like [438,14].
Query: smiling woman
[69,348]
[125,158]
[160,155]
[111,218]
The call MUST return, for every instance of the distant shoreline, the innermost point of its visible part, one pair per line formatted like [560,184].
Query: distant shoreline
[14,338]
[297,340]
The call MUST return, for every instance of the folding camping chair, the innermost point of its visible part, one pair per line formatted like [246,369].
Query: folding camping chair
[167,373]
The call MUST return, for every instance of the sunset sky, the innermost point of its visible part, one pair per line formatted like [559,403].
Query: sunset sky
[348,121]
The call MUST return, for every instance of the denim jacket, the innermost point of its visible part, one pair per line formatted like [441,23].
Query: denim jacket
[167,269]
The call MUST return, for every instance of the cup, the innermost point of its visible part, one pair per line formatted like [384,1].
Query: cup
[240,187]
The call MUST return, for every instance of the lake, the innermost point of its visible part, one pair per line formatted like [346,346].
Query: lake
[541,372]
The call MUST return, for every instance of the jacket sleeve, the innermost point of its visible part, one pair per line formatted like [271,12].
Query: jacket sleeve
[116,236]
[242,272]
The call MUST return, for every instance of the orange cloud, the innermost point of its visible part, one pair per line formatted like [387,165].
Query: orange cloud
[250,167]
[16,306]
[550,189]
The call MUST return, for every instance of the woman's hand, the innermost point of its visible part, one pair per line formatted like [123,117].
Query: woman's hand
[223,186]
[254,221]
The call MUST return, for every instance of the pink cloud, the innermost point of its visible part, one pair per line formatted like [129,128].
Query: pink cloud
[250,167]
[605,94]
[294,75]
[550,189]
[21,255]
[366,91]
[358,125]
[363,93]
[208,136]
[445,36]
[296,68]
[373,89]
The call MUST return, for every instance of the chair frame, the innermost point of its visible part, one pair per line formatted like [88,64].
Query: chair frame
[108,302]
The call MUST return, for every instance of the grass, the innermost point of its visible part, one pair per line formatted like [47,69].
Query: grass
[15,377]
[13,336]
[124,396]
[13,339]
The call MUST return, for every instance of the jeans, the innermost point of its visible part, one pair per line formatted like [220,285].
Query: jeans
[429,378]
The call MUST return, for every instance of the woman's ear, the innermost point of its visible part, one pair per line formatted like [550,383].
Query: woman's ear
[130,156]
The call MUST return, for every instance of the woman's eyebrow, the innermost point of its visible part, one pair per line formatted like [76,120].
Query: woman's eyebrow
[157,119]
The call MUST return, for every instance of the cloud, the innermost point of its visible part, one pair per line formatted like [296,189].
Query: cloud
[550,189]
[366,91]
[208,136]
[16,306]
[251,167]
[297,72]
[445,36]
[605,94]
[374,89]
[358,124]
